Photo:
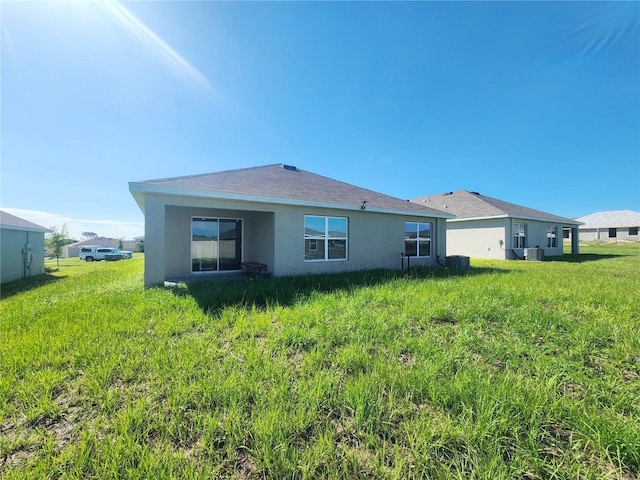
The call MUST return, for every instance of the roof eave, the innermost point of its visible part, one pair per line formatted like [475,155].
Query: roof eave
[138,191]
[26,229]
[522,217]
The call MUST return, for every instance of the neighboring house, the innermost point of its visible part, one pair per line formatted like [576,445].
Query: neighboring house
[291,221]
[139,244]
[486,227]
[610,226]
[22,248]
[73,249]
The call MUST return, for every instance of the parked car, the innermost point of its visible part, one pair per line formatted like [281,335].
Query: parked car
[124,253]
[90,253]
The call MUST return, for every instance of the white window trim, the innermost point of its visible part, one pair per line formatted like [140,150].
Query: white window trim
[520,234]
[552,236]
[326,239]
[418,238]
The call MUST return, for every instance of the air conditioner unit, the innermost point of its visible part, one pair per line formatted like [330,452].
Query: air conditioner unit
[534,254]
[458,263]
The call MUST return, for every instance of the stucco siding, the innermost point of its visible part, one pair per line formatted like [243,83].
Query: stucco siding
[375,240]
[13,263]
[481,238]
[537,237]
[274,235]
[257,237]
[478,238]
[602,234]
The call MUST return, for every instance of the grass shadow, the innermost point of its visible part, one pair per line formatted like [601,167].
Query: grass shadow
[581,258]
[214,295]
[26,284]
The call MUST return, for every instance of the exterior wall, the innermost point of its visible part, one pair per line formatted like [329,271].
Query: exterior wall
[274,235]
[13,265]
[257,237]
[602,234]
[375,240]
[478,238]
[537,236]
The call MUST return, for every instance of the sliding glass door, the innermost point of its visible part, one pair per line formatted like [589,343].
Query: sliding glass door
[216,244]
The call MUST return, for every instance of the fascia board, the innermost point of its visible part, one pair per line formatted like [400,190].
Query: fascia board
[136,189]
[518,217]
[26,229]
[468,219]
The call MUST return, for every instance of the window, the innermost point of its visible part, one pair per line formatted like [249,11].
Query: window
[417,239]
[633,230]
[325,238]
[519,235]
[216,244]
[613,232]
[552,237]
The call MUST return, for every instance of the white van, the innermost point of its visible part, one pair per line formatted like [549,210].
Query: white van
[90,253]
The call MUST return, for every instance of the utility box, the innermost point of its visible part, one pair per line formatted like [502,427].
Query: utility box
[534,254]
[458,263]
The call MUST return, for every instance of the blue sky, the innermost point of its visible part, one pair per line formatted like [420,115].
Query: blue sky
[533,103]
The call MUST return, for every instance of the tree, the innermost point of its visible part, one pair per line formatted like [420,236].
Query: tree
[89,235]
[57,240]
[121,243]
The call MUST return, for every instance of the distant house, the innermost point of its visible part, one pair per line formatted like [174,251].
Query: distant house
[73,249]
[610,226]
[288,220]
[22,248]
[485,227]
[139,244]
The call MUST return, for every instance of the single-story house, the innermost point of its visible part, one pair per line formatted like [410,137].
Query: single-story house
[610,226]
[485,227]
[282,219]
[22,248]
[73,249]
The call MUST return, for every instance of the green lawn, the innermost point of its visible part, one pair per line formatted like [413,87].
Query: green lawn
[517,370]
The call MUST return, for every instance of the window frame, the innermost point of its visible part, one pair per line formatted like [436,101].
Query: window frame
[552,236]
[633,231]
[519,235]
[324,239]
[217,270]
[613,231]
[418,239]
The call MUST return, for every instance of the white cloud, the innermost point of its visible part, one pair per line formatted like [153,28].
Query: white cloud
[75,226]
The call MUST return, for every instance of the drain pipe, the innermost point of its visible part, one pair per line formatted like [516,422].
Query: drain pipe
[402,257]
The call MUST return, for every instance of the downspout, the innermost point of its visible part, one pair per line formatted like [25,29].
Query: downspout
[24,254]
[441,224]
[27,258]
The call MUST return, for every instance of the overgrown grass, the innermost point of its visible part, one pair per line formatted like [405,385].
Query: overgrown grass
[515,370]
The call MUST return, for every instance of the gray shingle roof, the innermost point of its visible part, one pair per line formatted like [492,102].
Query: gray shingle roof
[16,223]
[611,219]
[464,204]
[271,183]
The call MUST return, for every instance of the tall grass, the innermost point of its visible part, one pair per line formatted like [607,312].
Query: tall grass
[514,370]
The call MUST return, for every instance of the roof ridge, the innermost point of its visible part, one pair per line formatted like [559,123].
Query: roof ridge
[483,197]
[183,177]
[354,186]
